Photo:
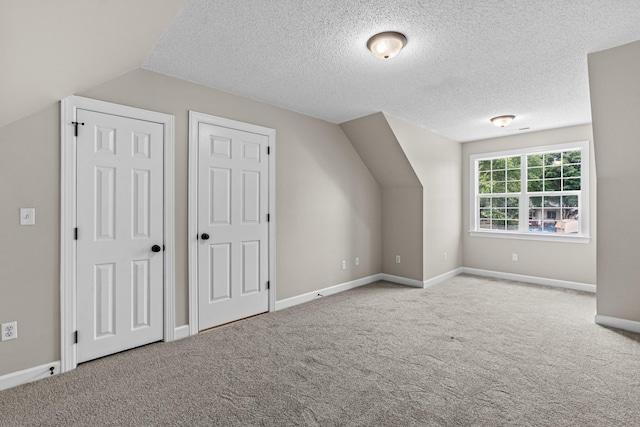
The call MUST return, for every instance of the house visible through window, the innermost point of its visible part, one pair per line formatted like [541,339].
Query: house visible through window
[536,191]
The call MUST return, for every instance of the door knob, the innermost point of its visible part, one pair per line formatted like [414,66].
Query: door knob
[205,236]
[156,248]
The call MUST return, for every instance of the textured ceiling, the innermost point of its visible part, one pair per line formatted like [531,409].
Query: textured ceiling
[465,61]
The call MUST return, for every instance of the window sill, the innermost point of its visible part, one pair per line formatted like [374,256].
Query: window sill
[531,236]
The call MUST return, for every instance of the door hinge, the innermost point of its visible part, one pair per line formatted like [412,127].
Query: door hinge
[75,233]
[268,150]
[268,217]
[76,125]
[268,285]
[75,337]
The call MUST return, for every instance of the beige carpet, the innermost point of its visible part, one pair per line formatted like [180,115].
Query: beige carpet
[470,351]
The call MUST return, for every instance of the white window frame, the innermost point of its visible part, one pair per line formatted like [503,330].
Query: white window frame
[474,221]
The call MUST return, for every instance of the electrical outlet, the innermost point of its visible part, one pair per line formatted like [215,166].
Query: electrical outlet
[514,257]
[344,264]
[9,331]
[397,259]
[357,260]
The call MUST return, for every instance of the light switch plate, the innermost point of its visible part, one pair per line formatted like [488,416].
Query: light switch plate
[27,216]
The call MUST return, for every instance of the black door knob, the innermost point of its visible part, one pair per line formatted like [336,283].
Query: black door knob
[156,248]
[205,236]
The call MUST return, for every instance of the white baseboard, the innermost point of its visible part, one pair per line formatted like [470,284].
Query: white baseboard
[28,375]
[402,280]
[181,332]
[615,322]
[576,286]
[441,278]
[310,296]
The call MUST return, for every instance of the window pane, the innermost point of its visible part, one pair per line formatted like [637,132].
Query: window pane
[534,186]
[484,165]
[552,184]
[534,173]
[513,213]
[553,159]
[498,164]
[499,187]
[535,201]
[571,213]
[498,225]
[513,175]
[552,202]
[513,187]
[553,172]
[485,213]
[485,202]
[570,201]
[513,225]
[498,214]
[498,202]
[485,224]
[549,227]
[572,157]
[484,176]
[513,162]
[551,213]
[498,175]
[484,188]
[571,184]
[534,160]
[571,171]
[513,202]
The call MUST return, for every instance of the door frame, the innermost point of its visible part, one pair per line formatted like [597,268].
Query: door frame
[195,119]
[68,203]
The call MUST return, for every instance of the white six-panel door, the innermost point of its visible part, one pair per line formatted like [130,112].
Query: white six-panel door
[120,219]
[233,183]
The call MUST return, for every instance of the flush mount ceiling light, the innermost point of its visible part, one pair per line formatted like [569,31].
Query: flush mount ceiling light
[502,121]
[386,45]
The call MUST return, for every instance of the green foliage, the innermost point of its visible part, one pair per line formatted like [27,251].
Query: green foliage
[498,175]
[513,175]
[571,184]
[513,187]
[513,202]
[535,202]
[570,201]
[572,157]
[513,162]
[550,159]
[534,173]
[552,185]
[484,165]
[497,164]
[499,187]
[534,186]
[534,160]
[553,172]
[571,171]
[498,202]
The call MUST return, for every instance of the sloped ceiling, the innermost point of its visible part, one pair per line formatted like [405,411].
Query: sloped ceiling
[52,49]
[465,61]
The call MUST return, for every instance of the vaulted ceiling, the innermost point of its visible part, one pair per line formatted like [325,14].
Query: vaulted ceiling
[465,61]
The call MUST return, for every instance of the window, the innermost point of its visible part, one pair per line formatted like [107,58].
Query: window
[537,192]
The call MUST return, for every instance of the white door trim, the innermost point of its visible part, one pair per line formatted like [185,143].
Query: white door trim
[68,222]
[194,119]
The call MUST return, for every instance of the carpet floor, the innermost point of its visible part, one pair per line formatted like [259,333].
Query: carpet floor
[469,352]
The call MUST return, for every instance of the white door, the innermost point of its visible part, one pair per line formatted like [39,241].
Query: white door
[233,183]
[120,219]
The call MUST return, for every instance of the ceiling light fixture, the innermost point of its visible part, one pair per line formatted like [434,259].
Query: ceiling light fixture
[502,121]
[386,45]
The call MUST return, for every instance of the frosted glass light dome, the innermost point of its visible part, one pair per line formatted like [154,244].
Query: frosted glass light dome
[386,45]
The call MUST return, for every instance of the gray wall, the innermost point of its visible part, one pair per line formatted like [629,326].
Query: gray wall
[402,201]
[436,161]
[329,207]
[615,102]
[574,262]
